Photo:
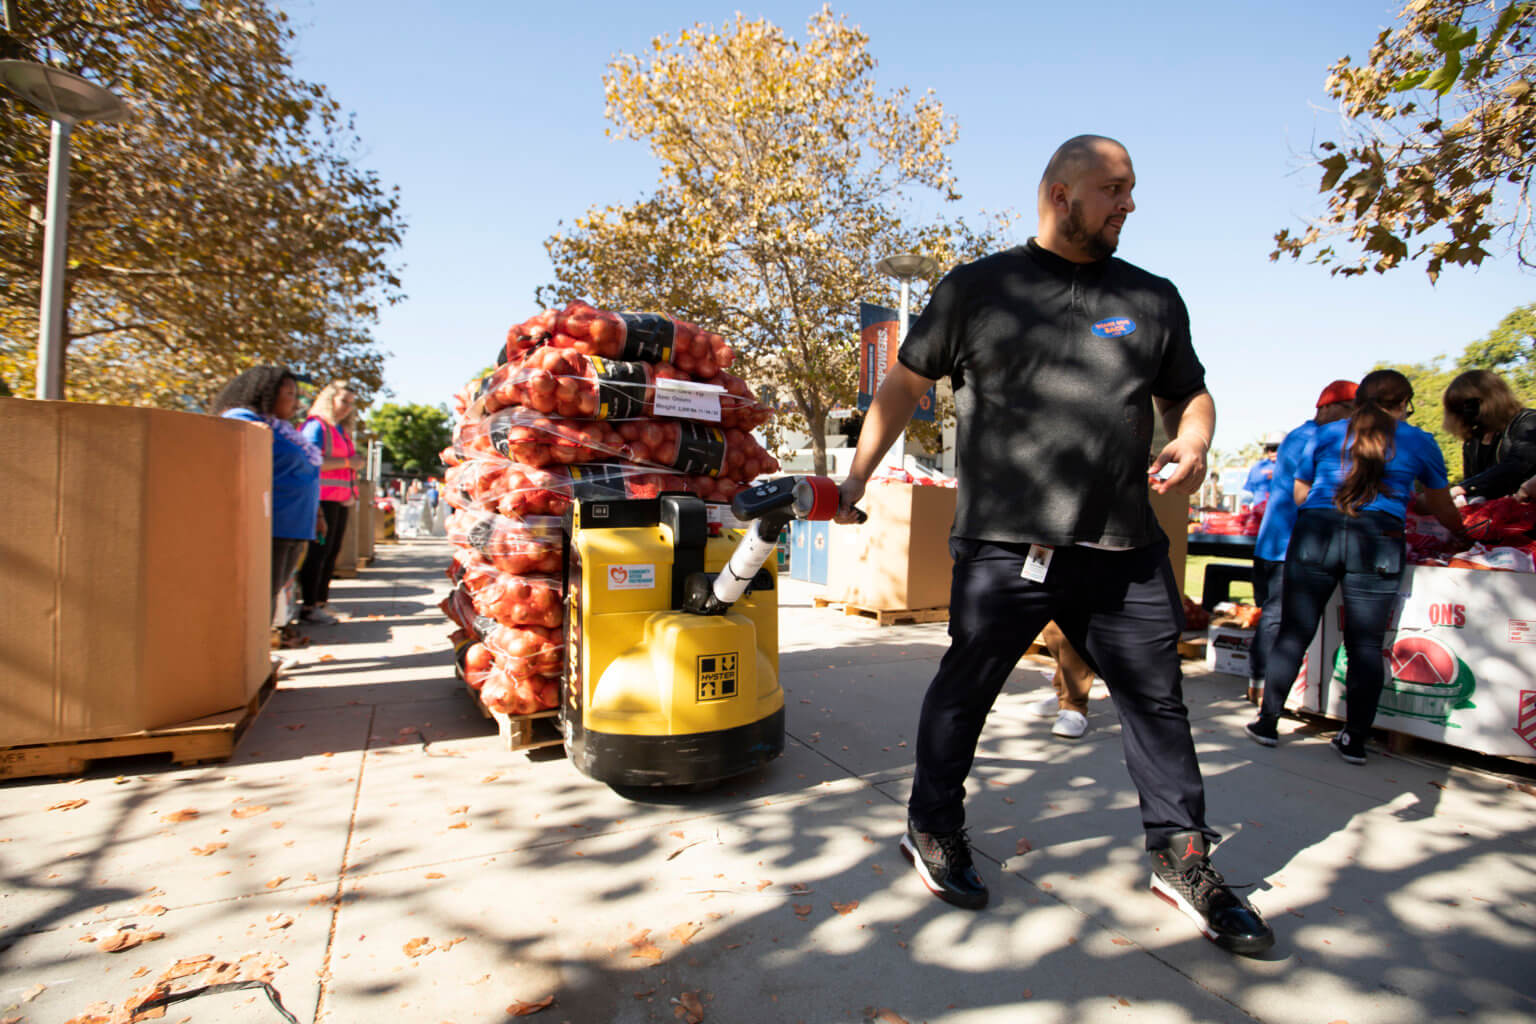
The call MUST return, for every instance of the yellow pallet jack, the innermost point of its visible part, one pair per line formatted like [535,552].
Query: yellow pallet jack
[672,635]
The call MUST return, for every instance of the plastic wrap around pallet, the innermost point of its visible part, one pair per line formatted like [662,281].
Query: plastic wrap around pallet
[638,337]
[567,383]
[501,686]
[497,484]
[511,599]
[681,446]
[529,544]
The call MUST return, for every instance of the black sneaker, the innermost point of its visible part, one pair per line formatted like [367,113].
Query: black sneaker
[1350,747]
[943,862]
[1182,875]
[1262,731]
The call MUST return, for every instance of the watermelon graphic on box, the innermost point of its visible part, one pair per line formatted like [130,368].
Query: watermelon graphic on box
[1426,679]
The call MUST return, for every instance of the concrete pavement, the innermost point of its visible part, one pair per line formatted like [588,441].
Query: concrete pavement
[374,852]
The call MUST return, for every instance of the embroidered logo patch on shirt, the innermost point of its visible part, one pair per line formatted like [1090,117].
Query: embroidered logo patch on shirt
[1114,327]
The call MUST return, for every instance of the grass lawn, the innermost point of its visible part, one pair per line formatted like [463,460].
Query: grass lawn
[1194,578]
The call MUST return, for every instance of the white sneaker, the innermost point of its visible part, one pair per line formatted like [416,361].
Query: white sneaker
[1044,708]
[1070,725]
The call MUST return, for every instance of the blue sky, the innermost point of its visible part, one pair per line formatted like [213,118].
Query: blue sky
[489,118]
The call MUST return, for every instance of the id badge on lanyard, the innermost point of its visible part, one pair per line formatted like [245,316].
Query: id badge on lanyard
[1037,563]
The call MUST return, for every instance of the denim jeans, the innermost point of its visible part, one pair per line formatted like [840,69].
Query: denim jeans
[1268,592]
[1364,556]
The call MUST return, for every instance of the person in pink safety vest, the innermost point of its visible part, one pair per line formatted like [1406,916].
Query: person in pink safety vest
[329,428]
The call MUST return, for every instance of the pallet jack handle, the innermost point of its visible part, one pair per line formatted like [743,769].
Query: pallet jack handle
[769,506]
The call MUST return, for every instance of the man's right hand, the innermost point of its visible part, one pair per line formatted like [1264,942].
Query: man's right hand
[848,494]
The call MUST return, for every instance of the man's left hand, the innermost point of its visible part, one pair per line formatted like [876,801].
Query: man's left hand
[1188,457]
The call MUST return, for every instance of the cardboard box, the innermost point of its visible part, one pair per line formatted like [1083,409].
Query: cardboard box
[1228,649]
[134,568]
[899,559]
[1172,511]
[1461,666]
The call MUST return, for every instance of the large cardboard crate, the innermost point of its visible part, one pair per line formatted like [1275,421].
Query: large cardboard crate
[134,568]
[899,559]
[1461,665]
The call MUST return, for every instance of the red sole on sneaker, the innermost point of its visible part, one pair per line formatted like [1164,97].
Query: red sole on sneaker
[1246,947]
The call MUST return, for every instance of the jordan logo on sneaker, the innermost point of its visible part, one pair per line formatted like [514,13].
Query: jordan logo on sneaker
[1191,851]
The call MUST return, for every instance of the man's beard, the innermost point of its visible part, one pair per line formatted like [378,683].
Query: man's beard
[1097,245]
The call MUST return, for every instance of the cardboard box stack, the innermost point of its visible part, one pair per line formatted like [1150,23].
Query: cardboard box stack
[135,568]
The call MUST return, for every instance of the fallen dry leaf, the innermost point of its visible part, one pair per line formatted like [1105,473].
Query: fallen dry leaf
[763,885]
[277,922]
[279,880]
[152,911]
[491,778]
[125,940]
[186,966]
[644,948]
[185,814]
[684,933]
[1023,846]
[446,946]
[888,1017]
[209,850]
[249,811]
[677,834]
[418,947]
[689,1008]
[527,1009]
[435,875]
[643,993]
[294,727]
[68,805]
[462,824]
[461,809]
[846,908]
[326,657]
[139,972]
[223,973]
[33,992]
[802,910]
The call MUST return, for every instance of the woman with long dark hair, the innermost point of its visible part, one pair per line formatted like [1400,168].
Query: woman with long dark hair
[1353,485]
[268,395]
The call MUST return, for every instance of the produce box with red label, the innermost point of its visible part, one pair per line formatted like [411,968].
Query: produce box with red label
[1461,660]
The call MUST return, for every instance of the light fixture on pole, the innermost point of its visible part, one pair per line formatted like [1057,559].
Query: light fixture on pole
[67,99]
[904,267]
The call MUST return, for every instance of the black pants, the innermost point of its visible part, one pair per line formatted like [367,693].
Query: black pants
[1121,610]
[320,563]
[1268,592]
[1364,556]
[285,558]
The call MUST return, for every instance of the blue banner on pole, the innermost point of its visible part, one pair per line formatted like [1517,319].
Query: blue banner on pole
[879,338]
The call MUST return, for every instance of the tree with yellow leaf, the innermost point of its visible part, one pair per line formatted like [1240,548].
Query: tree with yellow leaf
[222,224]
[1439,142]
[785,176]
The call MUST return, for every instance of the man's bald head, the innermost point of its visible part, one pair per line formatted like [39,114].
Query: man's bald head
[1075,158]
[1084,198]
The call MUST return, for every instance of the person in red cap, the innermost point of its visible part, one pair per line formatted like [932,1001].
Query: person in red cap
[1335,403]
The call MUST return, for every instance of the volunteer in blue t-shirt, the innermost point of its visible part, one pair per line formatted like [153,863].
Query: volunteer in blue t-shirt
[1335,403]
[1353,485]
[1261,473]
[268,395]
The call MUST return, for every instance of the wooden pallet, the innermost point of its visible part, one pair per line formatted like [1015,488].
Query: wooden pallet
[886,616]
[205,739]
[522,732]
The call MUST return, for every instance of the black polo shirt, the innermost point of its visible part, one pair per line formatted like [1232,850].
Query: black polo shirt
[1054,366]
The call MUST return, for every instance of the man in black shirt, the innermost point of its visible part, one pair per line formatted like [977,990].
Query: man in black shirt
[1059,355]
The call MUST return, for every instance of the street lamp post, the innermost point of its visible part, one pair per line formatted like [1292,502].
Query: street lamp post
[67,99]
[904,267]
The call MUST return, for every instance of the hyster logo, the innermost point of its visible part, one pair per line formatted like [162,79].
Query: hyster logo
[717,676]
